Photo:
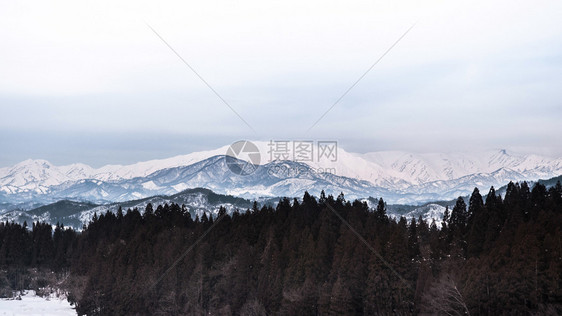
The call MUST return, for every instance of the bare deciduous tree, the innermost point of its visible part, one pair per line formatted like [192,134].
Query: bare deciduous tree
[444,298]
[253,308]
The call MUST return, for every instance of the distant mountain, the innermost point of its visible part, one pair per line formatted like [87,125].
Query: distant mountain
[402,178]
[277,178]
[76,214]
[58,212]
[546,182]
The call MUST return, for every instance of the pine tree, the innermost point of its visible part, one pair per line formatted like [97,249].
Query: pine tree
[475,207]
[459,216]
[458,227]
[478,222]
[322,197]
[381,211]
[413,244]
[495,218]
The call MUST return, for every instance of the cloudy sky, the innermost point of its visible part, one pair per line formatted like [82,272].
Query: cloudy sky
[89,81]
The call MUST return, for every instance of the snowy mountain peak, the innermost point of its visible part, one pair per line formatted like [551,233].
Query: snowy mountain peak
[407,177]
[33,163]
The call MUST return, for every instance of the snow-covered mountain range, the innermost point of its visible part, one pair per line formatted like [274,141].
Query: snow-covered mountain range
[399,177]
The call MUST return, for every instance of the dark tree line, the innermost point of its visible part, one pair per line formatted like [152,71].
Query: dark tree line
[493,256]
[40,248]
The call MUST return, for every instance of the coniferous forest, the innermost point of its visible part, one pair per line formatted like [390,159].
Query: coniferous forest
[316,256]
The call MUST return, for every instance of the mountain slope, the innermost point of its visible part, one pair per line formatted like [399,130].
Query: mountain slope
[277,178]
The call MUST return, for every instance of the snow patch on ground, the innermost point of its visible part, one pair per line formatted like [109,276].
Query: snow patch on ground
[31,304]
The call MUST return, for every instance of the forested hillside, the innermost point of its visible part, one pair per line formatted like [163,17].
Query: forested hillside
[324,256]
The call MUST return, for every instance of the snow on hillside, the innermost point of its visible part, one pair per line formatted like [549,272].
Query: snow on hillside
[429,213]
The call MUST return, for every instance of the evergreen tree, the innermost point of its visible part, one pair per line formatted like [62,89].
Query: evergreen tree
[381,211]
[496,218]
[459,215]
[475,207]
[478,221]
[413,244]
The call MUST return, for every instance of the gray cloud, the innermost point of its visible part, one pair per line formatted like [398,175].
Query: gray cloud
[90,82]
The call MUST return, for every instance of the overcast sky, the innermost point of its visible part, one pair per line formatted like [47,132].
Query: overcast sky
[88,81]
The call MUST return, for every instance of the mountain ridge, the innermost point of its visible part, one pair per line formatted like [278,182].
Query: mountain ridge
[403,177]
